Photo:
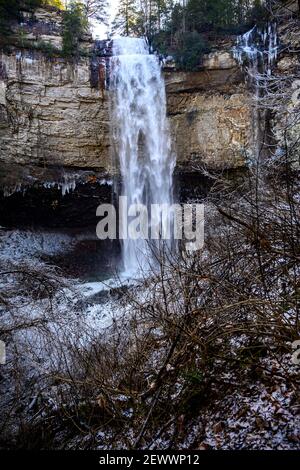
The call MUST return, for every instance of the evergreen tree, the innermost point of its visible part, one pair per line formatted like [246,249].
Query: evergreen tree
[11,10]
[174,30]
[75,24]
[152,16]
[96,10]
[127,22]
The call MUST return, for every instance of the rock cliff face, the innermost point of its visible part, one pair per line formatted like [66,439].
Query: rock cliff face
[284,119]
[210,114]
[51,116]
[52,120]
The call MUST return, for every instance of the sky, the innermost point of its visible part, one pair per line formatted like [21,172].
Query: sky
[100,30]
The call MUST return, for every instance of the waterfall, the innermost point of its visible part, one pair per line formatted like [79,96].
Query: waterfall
[141,137]
[257,52]
[258,49]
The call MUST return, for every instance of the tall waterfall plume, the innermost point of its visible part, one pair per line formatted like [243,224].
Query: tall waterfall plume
[141,137]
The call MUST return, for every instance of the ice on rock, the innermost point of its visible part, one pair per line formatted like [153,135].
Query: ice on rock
[67,186]
[258,47]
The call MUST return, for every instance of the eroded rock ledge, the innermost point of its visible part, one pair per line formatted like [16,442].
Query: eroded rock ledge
[209,113]
[53,119]
[50,115]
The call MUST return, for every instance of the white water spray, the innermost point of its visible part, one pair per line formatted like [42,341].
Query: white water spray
[258,48]
[141,136]
[257,52]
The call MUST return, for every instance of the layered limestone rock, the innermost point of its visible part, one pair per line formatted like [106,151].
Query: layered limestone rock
[50,115]
[53,114]
[284,120]
[210,113]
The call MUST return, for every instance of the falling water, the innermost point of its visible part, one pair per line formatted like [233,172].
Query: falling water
[141,136]
[257,52]
[258,48]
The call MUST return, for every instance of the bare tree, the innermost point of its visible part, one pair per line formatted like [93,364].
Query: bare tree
[96,10]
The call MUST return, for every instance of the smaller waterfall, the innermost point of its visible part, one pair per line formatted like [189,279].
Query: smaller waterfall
[257,51]
[141,137]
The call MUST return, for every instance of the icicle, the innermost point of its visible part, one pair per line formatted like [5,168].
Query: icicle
[258,47]
[10,190]
[256,51]
[66,186]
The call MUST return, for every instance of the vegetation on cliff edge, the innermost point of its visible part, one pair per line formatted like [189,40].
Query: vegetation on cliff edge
[186,29]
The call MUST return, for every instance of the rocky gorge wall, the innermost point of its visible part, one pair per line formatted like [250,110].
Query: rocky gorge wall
[53,123]
[55,119]
[209,112]
[51,117]
[50,114]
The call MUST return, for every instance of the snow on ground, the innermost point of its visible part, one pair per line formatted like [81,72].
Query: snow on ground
[259,415]
[75,307]
[262,414]
[27,244]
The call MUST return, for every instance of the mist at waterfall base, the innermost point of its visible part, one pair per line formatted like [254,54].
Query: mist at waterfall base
[140,137]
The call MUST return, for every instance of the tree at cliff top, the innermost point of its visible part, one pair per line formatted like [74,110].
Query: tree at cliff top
[126,20]
[152,15]
[142,17]
[189,54]
[170,18]
[93,9]
[75,25]
[175,33]
[218,15]
[96,10]
[11,10]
